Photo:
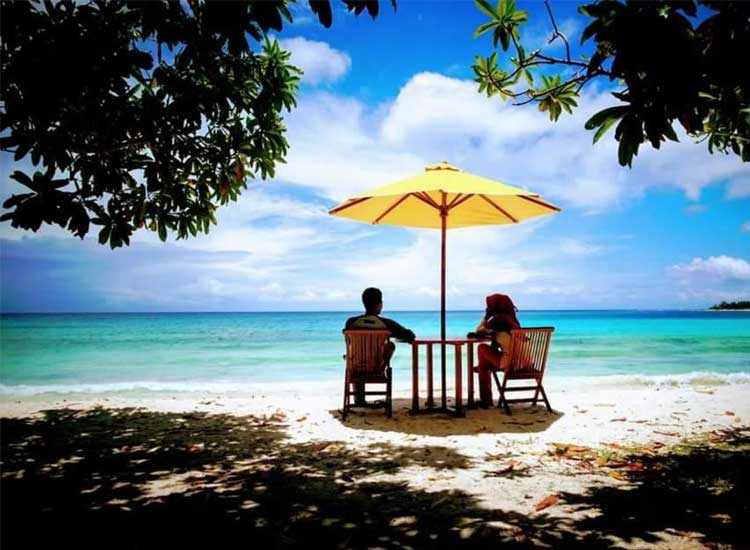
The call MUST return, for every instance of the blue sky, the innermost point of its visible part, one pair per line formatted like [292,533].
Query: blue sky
[381,99]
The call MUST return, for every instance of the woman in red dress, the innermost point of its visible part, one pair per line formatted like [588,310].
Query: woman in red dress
[499,319]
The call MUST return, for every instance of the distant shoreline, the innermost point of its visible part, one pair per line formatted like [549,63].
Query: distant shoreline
[355,311]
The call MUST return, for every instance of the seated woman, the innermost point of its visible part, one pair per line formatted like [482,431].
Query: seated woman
[499,318]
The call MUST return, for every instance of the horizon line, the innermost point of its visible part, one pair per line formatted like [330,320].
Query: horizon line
[218,312]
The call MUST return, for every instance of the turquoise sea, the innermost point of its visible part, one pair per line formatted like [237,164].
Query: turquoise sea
[240,351]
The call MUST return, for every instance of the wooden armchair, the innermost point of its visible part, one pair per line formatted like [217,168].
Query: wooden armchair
[368,361]
[528,360]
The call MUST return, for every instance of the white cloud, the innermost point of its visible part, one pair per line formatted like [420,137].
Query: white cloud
[435,111]
[319,61]
[333,151]
[340,147]
[575,247]
[277,248]
[715,267]
[738,189]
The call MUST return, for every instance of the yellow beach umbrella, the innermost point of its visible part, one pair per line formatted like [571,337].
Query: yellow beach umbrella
[444,197]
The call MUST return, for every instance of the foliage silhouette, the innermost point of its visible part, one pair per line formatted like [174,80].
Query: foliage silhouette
[143,115]
[667,69]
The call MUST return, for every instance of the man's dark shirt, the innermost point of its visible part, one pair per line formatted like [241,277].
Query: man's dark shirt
[375,322]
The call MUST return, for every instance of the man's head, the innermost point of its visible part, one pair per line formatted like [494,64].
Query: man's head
[372,299]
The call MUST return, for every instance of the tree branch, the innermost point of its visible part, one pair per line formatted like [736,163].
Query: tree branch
[581,79]
[557,33]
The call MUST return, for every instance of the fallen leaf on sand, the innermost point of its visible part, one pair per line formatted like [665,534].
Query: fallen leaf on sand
[498,456]
[621,419]
[672,434]
[546,502]
[709,392]
[729,413]
[634,467]
[513,466]
[301,419]
[572,452]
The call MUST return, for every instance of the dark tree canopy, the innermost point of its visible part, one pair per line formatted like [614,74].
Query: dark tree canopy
[669,62]
[143,114]
[741,304]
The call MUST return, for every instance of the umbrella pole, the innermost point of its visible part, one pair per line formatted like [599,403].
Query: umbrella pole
[444,220]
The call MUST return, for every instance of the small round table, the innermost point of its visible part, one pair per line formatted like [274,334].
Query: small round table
[458,344]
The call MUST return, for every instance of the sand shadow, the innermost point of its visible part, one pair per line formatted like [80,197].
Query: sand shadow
[526,419]
[698,491]
[129,478]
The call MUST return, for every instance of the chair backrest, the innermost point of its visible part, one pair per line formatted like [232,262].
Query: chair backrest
[365,352]
[528,350]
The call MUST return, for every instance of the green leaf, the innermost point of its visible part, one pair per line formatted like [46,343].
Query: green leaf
[590,31]
[104,234]
[529,77]
[670,133]
[485,7]
[483,28]
[602,116]
[519,17]
[606,125]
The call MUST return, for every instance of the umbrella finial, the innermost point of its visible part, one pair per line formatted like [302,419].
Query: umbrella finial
[442,165]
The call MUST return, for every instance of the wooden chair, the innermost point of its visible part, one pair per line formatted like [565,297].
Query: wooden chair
[368,361]
[528,360]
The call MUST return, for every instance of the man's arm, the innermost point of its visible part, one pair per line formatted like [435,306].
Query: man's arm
[397,331]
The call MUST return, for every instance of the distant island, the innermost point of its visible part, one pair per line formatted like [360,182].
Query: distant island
[742,304]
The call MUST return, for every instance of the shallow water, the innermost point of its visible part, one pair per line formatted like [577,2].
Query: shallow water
[225,351]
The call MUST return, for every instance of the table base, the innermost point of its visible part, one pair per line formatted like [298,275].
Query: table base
[450,411]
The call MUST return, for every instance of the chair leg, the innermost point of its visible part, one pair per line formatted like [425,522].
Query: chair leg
[346,398]
[546,401]
[502,399]
[536,395]
[499,387]
[388,400]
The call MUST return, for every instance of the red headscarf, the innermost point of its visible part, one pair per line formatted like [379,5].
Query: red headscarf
[501,313]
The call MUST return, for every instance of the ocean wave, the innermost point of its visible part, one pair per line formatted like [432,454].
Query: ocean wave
[689,379]
[624,381]
[160,387]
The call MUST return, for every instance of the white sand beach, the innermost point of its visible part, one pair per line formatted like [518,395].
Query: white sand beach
[517,464]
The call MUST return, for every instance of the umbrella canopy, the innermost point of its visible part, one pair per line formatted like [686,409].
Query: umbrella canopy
[444,197]
[469,199]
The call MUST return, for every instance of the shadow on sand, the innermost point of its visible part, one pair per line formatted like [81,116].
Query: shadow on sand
[525,419]
[135,479]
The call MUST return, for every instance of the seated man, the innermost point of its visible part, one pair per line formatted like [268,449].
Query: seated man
[372,299]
